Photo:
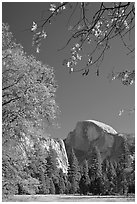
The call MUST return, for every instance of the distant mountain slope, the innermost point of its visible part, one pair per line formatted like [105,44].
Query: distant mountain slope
[94,133]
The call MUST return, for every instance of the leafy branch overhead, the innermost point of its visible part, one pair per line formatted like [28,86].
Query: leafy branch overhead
[95,25]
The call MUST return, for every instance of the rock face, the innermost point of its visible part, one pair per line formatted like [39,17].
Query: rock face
[59,147]
[90,133]
[45,143]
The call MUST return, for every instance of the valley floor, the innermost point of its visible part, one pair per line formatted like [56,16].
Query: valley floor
[68,198]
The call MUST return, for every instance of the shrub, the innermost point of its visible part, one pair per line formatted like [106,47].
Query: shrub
[28,186]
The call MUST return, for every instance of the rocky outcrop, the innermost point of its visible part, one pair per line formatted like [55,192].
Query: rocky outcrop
[93,133]
[59,147]
[45,144]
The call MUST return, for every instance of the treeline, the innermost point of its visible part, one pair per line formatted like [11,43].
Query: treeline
[95,177]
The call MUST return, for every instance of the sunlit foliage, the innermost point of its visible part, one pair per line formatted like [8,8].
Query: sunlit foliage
[28,89]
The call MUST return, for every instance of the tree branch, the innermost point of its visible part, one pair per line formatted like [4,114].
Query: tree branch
[13,99]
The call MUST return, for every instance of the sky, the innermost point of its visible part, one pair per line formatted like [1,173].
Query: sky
[79,98]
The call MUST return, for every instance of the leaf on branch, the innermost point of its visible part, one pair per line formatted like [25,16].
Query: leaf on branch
[34,27]
[71,70]
[89,61]
[121,112]
[65,61]
[37,38]
[126,77]
[129,111]
[85,73]
[52,8]
[97,72]
[70,28]
[38,50]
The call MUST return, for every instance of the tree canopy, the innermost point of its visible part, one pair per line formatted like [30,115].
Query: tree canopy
[28,89]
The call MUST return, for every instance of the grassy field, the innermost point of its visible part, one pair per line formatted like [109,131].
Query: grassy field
[68,198]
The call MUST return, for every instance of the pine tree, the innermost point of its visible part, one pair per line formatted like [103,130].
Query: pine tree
[123,158]
[122,183]
[85,180]
[123,164]
[105,184]
[95,171]
[111,174]
[52,187]
[105,166]
[45,183]
[73,173]
[62,186]
[52,170]
[131,178]
[68,186]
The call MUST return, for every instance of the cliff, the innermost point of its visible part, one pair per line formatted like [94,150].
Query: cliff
[59,147]
[45,143]
[94,133]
